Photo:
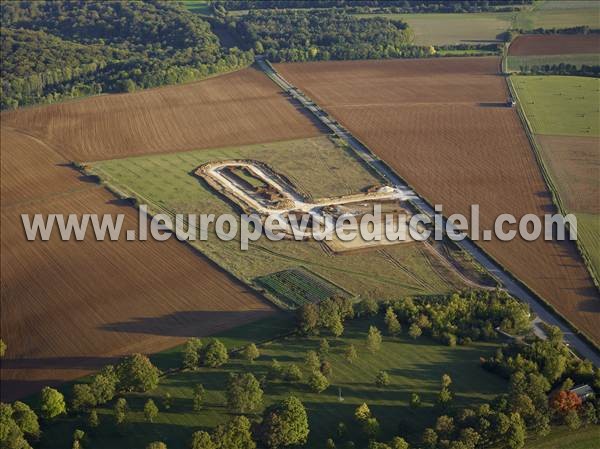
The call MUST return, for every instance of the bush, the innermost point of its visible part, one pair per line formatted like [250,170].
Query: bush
[382,379]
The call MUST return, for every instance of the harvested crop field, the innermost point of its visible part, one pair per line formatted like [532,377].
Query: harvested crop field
[554,44]
[238,108]
[60,321]
[575,164]
[442,124]
[452,28]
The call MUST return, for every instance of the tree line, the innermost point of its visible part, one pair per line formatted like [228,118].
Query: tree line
[540,373]
[583,29]
[55,50]
[322,35]
[393,6]
[560,69]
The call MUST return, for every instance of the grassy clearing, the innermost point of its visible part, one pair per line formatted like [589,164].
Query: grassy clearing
[564,438]
[414,366]
[561,105]
[318,168]
[559,14]
[445,29]
[517,63]
[198,6]
[588,226]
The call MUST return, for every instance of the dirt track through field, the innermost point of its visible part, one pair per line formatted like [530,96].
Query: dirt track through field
[442,125]
[243,107]
[555,44]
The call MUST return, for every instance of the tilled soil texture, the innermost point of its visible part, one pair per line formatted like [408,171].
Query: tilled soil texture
[444,126]
[243,107]
[555,44]
[71,307]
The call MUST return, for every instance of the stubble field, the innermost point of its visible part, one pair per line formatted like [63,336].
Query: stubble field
[443,126]
[448,28]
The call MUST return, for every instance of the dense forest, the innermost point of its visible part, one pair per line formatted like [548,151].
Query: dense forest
[322,35]
[396,6]
[56,50]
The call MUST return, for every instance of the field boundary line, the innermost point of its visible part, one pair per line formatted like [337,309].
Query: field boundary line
[556,198]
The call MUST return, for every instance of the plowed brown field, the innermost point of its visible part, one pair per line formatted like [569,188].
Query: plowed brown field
[239,108]
[442,125]
[71,307]
[555,44]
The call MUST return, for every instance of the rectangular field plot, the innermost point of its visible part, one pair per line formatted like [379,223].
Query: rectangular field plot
[298,286]
[317,168]
[561,105]
[450,28]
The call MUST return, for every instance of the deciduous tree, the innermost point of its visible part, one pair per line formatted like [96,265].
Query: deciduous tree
[392,323]
[285,424]
[374,339]
[150,411]
[308,317]
[382,379]
[121,409]
[318,382]
[350,354]
[198,397]
[251,353]
[53,403]
[215,354]
[414,331]
[26,419]
[203,440]
[137,373]
[191,353]
[83,397]
[243,393]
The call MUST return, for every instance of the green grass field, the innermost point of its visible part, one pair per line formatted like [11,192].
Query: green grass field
[299,286]
[568,106]
[520,63]
[445,29]
[414,366]
[561,105]
[589,235]
[318,168]
[559,14]
[198,6]
[586,438]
